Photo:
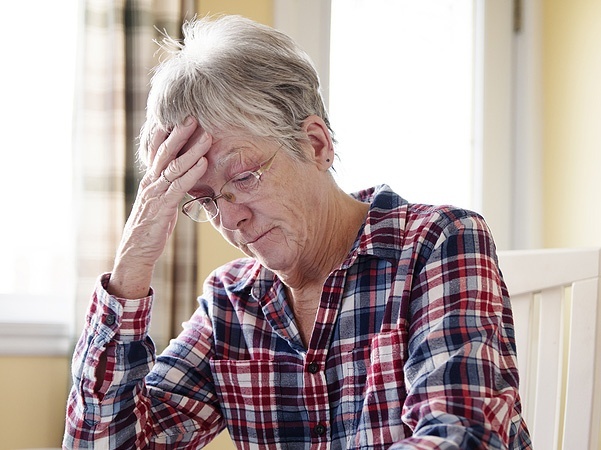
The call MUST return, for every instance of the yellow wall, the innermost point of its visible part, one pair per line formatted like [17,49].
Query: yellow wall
[572,122]
[259,10]
[34,392]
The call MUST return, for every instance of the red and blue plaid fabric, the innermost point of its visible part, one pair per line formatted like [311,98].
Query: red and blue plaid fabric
[413,348]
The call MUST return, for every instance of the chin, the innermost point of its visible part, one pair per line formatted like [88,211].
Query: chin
[275,263]
[272,251]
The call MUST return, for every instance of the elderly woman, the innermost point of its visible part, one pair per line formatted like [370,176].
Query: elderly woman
[357,321]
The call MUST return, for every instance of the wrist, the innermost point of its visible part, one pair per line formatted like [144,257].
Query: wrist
[128,283]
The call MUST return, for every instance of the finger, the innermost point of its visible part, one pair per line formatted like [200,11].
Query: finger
[157,137]
[184,183]
[198,134]
[172,188]
[173,144]
[195,149]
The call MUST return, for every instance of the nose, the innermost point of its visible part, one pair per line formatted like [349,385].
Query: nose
[233,215]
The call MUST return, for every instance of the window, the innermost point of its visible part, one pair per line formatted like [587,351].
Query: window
[401,96]
[36,233]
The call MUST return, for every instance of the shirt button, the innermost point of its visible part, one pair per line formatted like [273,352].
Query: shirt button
[110,319]
[313,367]
[319,429]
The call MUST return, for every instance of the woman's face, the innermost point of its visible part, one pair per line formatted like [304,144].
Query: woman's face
[277,225]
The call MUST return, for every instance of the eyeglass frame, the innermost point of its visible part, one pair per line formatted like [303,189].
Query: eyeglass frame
[257,173]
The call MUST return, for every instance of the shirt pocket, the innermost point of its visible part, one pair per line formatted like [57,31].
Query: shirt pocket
[380,421]
[248,392]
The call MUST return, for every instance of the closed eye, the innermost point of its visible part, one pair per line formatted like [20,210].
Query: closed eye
[244,181]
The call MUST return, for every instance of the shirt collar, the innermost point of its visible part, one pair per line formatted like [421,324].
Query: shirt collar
[383,231]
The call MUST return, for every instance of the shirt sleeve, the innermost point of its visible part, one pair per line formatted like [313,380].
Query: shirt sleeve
[143,401]
[461,372]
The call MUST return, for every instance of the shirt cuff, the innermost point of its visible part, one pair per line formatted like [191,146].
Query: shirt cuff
[125,320]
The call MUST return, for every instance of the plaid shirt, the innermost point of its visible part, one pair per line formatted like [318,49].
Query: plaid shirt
[412,348]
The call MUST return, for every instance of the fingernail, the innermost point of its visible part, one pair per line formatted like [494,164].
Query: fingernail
[204,137]
[189,120]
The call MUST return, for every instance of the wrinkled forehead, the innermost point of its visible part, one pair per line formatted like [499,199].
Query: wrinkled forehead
[228,149]
[227,156]
[232,145]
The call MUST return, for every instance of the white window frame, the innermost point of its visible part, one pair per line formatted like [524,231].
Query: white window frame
[527,128]
[493,117]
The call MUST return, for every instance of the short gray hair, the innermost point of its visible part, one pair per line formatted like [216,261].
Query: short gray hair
[233,74]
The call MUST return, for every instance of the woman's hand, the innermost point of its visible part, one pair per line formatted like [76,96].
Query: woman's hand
[176,163]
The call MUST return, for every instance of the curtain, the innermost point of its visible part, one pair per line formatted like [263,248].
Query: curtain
[115,55]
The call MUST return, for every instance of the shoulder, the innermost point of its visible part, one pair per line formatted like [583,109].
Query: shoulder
[443,232]
[441,219]
[418,229]
[416,218]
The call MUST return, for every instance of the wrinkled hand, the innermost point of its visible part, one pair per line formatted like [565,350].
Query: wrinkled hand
[176,163]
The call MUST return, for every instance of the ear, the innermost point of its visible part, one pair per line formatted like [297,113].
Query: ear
[322,147]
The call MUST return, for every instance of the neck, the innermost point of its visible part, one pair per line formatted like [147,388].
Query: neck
[342,217]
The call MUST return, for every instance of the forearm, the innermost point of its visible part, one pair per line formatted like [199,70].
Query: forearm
[452,407]
[179,154]
[461,371]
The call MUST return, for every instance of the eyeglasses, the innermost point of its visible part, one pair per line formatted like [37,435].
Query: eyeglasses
[238,189]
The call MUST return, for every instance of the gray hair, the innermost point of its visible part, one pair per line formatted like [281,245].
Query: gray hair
[233,74]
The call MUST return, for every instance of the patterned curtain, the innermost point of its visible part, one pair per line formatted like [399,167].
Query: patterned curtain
[115,55]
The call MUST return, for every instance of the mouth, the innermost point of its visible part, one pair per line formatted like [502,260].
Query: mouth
[255,239]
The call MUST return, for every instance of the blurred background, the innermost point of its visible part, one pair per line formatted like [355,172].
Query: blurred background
[492,105]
